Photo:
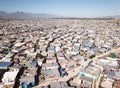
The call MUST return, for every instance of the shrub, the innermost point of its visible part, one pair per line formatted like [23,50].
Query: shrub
[112,55]
[92,56]
[39,55]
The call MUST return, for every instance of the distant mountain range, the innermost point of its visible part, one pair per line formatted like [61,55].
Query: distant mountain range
[27,15]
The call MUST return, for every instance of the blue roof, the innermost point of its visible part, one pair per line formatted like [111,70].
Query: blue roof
[5,64]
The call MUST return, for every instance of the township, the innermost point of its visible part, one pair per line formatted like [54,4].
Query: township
[60,53]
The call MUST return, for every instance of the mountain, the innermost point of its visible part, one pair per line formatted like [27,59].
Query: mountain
[25,15]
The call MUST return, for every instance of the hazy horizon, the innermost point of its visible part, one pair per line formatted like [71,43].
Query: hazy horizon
[71,8]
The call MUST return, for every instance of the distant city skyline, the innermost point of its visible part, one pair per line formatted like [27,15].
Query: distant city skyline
[71,8]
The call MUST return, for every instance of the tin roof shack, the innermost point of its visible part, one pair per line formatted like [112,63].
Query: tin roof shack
[5,59]
[50,65]
[107,83]
[5,65]
[76,46]
[67,64]
[70,64]
[91,73]
[57,46]
[6,46]
[9,55]
[26,62]
[27,81]
[28,77]
[86,81]
[50,70]
[31,54]
[51,51]
[113,61]
[109,73]
[60,84]
[78,58]
[117,75]
[60,56]
[9,77]
[19,44]
[108,62]
[18,49]
[50,59]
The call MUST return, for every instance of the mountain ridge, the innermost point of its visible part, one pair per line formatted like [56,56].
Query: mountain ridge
[28,15]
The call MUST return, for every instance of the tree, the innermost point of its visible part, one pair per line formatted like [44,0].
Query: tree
[39,55]
[112,55]
[92,56]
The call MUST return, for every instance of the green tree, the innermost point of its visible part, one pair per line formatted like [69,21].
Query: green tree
[39,55]
[112,55]
[92,56]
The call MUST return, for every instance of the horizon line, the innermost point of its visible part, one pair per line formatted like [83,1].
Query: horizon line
[108,16]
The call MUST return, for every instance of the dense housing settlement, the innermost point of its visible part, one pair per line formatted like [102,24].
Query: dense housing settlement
[60,53]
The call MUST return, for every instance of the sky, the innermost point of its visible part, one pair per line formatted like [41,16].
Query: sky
[72,8]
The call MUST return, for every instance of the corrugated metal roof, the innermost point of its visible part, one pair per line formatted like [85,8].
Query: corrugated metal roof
[5,64]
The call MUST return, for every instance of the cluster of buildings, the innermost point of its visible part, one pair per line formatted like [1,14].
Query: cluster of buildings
[101,73]
[35,51]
